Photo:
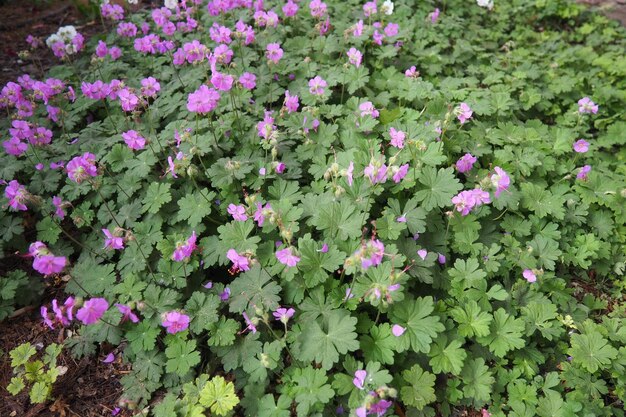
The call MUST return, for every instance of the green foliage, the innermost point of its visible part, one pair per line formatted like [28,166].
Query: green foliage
[39,374]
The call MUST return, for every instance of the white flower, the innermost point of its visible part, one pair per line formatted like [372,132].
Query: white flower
[52,39]
[70,49]
[387,7]
[485,3]
[67,32]
[105,1]
[133,1]
[171,4]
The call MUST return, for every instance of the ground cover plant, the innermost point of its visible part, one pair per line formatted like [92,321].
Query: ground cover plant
[305,208]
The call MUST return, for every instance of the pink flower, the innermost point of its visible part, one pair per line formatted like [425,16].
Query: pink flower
[583,172]
[128,100]
[368,109]
[529,275]
[184,251]
[401,219]
[46,319]
[400,173]
[220,34]
[127,313]
[115,52]
[465,163]
[134,140]
[291,102]
[371,253]
[422,253]
[500,180]
[357,29]
[280,167]
[464,113]
[240,263]
[49,264]
[485,413]
[318,8]
[412,72]
[82,167]
[391,29]
[349,173]
[203,100]
[109,358]
[150,86]
[466,200]
[92,310]
[224,295]
[57,202]
[441,258]
[376,175]
[585,105]
[101,49]
[581,146]
[222,81]
[112,242]
[317,85]
[274,52]
[238,212]
[434,16]
[397,138]
[369,8]
[249,323]
[355,57]
[285,257]
[261,212]
[175,322]
[17,195]
[397,330]
[284,314]
[290,9]
[248,80]
[359,378]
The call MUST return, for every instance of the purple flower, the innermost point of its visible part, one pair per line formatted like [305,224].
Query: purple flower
[400,173]
[583,172]
[112,242]
[222,81]
[349,173]
[380,407]
[581,146]
[466,200]
[401,219]
[368,109]
[109,358]
[238,212]
[318,8]
[391,29]
[249,322]
[248,80]
[317,85]
[82,167]
[261,212]
[422,253]
[183,251]
[464,113]
[134,140]
[240,263]
[585,105]
[128,100]
[397,138]
[434,16]
[359,378]
[441,258]
[397,330]
[285,257]
[127,313]
[150,86]
[280,167]
[369,8]
[376,175]
[291,102]
[203,100]
[324,248]
[175,322]
[224,295]
[500,180]
[290,9]
[274,52]
[17,195]
[529,275]
[465,163]
[92,310]
[371,253]
[355,57]
[49,264]
[284,314]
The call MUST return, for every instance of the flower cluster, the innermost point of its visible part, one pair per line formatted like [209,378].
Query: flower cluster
[66,41]
[44,261]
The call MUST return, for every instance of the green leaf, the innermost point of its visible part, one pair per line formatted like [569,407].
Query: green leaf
[195,206]
[311,389]
[316,266]
[471,320]
[39,392]
[447,358]
[546,250]
[48,231]
[477,381]
[421,388]
[379,344]
[21,354]
[438,187]
[505,334]
[223,332]
[591,351]
[16,385]
[254,289]
[181,355]
[88,276]
[339,220]
[202,308]
[219,396]
[158,194]
[268,407]
[142,337]
[323,345]
[236,235]
[421,327]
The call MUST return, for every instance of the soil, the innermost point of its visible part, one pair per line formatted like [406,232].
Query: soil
[89,388]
